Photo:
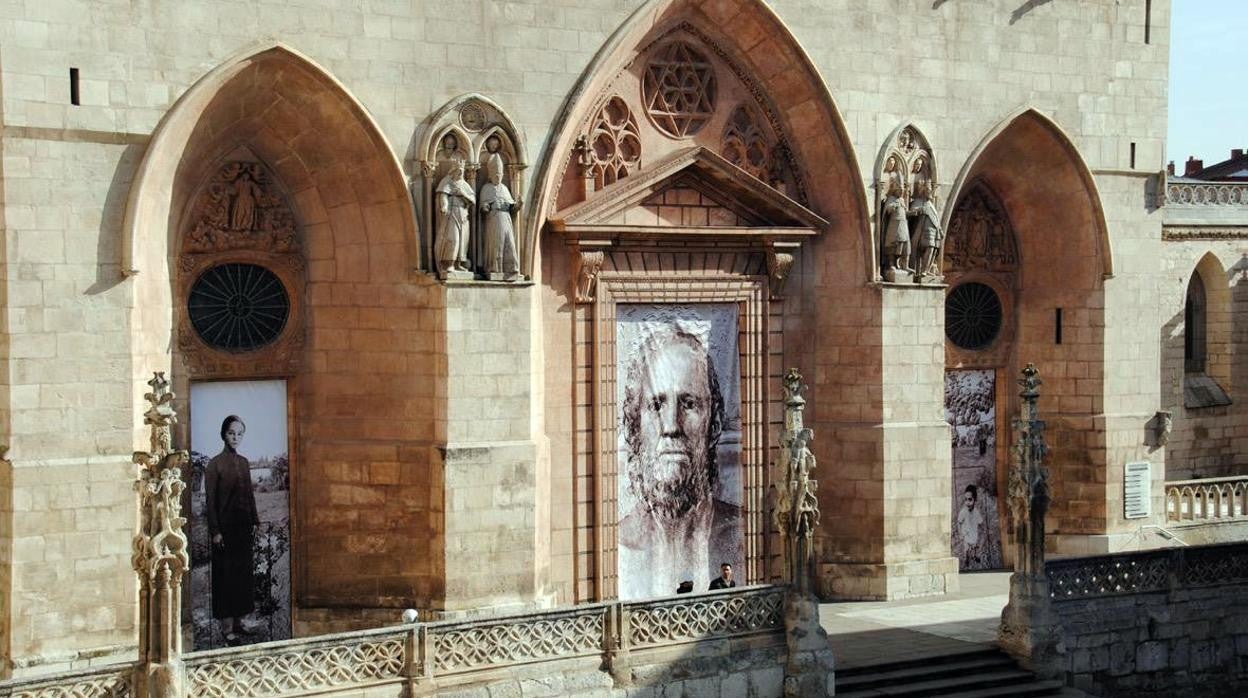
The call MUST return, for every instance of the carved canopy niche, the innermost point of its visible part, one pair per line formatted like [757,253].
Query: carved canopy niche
[693,197]
[470,128]
[905,171]
[240,276]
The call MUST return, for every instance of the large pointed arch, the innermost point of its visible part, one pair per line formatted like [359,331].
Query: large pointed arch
[151,196]
[760,42]
[1040,143]
[356,231]
[1058,303]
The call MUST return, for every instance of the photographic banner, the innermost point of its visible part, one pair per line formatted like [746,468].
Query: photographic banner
[240,513]
[678,383]
[970,409]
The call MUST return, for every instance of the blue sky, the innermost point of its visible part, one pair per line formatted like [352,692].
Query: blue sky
[1208,98]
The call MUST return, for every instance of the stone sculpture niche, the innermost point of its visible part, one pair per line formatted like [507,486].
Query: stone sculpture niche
[468,190]
[908,232]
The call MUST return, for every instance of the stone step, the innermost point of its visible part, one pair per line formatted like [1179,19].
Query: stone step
[886,675]
[981,652]
[946,686]
[1035,688]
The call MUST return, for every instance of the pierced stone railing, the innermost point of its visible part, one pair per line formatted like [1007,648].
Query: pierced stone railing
[1146,572]
[1207,501]
[692,618]
[301,667]
[422,652]
[113,681]
[1207,194]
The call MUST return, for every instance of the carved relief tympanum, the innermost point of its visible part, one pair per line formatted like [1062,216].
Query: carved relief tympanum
[980,235]
[240,209]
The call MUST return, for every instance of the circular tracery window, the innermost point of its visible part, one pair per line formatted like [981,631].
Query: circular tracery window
[238,307]
[679,89]
[972,315]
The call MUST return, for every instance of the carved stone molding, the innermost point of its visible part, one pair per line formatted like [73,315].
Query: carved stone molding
[588,266]
[1179,234]
[473,130]
[160,552]
[241,216]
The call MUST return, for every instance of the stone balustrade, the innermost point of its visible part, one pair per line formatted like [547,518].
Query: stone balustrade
[1209,500]
[1207,194]
[461,652]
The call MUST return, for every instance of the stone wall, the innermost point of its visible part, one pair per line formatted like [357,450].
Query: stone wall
[79,337]
[1206,441]
[1166,623]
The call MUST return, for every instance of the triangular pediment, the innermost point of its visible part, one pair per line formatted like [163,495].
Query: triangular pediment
[691,191]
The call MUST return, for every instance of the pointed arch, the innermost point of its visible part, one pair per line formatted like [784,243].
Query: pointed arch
[761,43]
[150,199]
[1046,146]
[1207,320]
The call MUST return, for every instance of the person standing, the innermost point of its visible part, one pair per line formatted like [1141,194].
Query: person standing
[724,580]
[232,520]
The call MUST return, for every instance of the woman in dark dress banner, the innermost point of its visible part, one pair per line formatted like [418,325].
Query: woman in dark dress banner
[232,520]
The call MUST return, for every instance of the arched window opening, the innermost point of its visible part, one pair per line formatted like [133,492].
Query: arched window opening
[1195,348]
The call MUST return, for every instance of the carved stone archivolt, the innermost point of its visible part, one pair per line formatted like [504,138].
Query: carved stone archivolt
[240,275]
[907,218]
[468,178]
[980,235]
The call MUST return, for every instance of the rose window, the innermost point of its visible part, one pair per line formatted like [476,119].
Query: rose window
[679,89]
[972,315]
[238,307]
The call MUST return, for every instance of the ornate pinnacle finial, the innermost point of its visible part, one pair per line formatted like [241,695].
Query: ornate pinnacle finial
[1031,383]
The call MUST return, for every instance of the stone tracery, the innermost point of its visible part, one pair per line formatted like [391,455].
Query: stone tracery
[679,89]
[614,145]
[748,146]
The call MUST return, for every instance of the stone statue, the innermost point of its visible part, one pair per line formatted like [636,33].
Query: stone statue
[455,198]
[896,234]
[928,235]
[501,260]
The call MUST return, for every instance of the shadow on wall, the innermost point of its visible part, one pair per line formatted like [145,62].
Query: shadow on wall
[1025,8]
[108,242]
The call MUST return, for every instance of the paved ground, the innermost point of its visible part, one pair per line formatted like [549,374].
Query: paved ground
[870,632]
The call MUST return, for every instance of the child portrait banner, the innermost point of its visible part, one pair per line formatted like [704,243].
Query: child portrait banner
[679,445]
[240,513]
[970,409]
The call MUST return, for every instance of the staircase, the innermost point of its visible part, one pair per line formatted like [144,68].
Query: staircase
[977,673]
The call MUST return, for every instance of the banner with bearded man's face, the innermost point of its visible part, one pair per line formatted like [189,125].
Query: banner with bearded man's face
[679,446]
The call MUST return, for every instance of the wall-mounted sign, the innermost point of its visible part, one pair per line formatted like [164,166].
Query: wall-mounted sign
[1137,496]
